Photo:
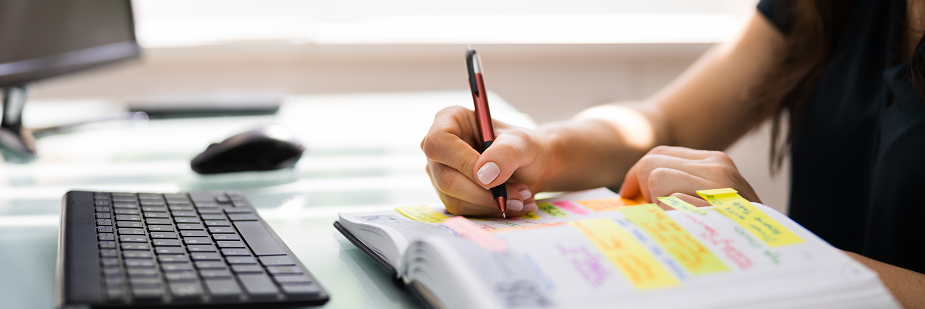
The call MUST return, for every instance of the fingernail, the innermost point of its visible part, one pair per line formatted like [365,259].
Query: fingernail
[488,173]
[526,194]
[530,207]
[515,205]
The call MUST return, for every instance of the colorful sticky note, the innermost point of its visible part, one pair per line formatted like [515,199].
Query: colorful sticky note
[472,232]
[530,215]
[575,209]
[421,213]
[680,244]
[681,205]
[610,204]
[731,204]
[551,209]
[618,245]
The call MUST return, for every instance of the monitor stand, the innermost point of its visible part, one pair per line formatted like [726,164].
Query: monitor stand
[16,143]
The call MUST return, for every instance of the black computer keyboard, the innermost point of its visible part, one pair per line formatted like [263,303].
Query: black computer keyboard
[196,249]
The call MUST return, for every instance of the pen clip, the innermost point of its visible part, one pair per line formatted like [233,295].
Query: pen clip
[471,62]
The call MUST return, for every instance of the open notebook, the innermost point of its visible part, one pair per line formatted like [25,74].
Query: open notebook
[588,250]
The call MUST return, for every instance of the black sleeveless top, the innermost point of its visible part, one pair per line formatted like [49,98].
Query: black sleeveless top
[858,155]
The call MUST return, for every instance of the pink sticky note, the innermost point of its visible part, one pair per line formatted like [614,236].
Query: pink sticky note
[575,209]
[472,232]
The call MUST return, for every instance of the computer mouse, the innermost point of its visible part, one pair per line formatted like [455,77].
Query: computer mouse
[266,148]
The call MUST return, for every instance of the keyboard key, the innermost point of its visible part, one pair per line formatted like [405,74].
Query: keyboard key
[137,255]
[154,208]
[241,260]
[240,203]
[104,229]
[181,207]
[184,214]
[101,196]
[149,214]
[153,203]
[205,256]
[236,252]
[141,272]
[175,195]
[135,224]
[211,223]
[111,271]
[160,228]
[282,279]
[201,196]
[163,235]
[205,204]
[226,237]
[185,289]
[209,210]
[126,211]
[258,238]
[194,234]
[223,288]
[258,285]
[150,196]
[157,221]
[103,208]
[237,210]
[176,267]
[139,263]
[133,238]
[247,269]
[136,246]
[214,274]
[125,205]
[105,236]
[189,226]
[186,219]
[200,248]
[128,217]
[145,282]
[168,250]
[279,270]
[103,222]
[211,265]
[166,243]
[103,215]
[221,230]
[197,241]
[214,217]
[130,231]
[107,244]
[281,260]
[242,217]
[301,289]
[101,203]
[180,276]
[109,261]
[109,252]
[147,293]
[230,244]
[115,293]
[172,258]
[221,198]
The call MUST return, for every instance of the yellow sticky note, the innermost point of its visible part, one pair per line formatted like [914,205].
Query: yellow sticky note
[421,213]
[636,263]
[552,210]
[530,215]
[609,204]
[680,244]
[681,205]
[750,217]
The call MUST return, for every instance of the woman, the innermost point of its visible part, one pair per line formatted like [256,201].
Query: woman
[844,84]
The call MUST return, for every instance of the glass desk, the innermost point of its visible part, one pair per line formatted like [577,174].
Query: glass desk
[362,154]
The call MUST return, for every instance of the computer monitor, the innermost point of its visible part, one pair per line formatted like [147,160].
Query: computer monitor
[46,38]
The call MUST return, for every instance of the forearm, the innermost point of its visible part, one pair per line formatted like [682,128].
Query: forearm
[907,286]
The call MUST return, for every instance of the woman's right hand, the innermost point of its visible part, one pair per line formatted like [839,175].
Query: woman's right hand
[462,176]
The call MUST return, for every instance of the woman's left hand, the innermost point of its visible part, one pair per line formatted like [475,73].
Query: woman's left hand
[680,172]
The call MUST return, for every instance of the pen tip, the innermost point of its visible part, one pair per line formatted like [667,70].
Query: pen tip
[469,46]
[504,215]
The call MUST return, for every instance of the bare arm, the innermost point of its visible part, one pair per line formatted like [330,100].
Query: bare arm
[907,286]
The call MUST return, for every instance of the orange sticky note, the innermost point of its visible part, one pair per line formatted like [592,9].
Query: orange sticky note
[609,204]
[472,232]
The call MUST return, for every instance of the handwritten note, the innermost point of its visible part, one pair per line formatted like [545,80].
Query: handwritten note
[680,244]
[750,217]
[421,213]
[636,263]
[476,234]
[575,209]
[530,215]
[610,204]
[681,205]
[552,210]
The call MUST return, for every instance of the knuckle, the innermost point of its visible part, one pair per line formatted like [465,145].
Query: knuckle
[660,149]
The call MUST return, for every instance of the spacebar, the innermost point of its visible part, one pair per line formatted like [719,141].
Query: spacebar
[258,238]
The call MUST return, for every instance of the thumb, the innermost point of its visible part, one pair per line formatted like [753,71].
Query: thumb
[506,154]
[630,187]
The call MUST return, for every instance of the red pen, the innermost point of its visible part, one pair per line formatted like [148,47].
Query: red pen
[483,119]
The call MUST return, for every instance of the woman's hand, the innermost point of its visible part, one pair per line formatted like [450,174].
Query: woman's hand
[462,176]
[680,172]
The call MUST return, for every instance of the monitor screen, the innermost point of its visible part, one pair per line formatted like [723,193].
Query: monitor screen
[44,38]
